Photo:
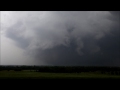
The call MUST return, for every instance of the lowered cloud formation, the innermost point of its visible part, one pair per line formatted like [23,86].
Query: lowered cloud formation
[65,37]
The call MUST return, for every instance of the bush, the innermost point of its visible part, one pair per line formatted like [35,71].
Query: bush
[17,70]
[116,73]
[112,73]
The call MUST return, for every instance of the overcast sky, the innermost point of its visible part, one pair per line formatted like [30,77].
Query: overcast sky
[85,38]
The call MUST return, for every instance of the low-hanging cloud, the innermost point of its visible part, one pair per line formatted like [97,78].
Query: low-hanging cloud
[66,37]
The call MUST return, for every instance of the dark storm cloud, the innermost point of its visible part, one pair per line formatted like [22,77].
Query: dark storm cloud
[117,13]
[13,34]
[70,38]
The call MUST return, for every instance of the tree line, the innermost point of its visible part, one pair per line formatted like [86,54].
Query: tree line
[64,69]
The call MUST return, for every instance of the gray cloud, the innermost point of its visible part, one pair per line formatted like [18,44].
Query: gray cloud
[68,37]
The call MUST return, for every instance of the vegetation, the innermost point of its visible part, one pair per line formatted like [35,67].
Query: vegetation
[53,72]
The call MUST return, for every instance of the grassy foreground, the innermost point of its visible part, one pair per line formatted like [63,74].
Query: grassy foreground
[40,75]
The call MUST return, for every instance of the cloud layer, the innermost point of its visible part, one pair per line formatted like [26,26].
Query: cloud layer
[66,37]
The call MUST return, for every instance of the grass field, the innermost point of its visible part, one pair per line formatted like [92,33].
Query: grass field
[39,75]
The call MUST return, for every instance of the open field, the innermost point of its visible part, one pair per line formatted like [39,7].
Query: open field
[58,72]
[26,74]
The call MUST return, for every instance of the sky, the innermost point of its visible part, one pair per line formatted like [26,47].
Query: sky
[65,38]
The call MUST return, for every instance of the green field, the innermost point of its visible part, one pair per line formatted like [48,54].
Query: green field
[40,75]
